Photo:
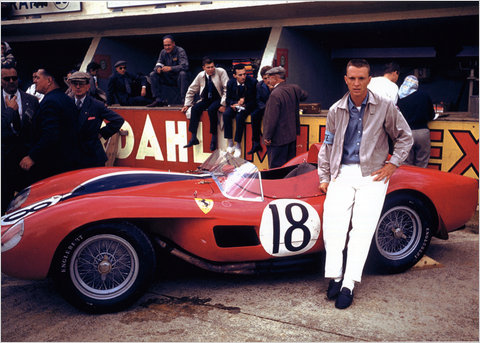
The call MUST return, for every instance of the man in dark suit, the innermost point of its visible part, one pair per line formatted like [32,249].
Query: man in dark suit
[281,122]
[54,147]
[18,109]
[263,92]
[92,113]
[120,86]
[241,101]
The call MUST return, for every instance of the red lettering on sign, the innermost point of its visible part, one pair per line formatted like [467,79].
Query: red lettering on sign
[469,147]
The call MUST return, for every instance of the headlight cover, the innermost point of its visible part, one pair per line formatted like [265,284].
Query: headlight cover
[18,200]
[12,236]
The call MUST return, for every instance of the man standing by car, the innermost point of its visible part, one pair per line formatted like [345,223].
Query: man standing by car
[281,121]
[92,113]
[54,131]
[352,162]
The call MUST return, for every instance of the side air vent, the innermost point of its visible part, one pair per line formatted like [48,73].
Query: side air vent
[235,236]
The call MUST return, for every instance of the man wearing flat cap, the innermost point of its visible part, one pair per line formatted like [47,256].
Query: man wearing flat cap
[281,121]
[120,86]
[92,113]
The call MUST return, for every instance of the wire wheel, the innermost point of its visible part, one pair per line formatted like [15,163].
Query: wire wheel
[398,232]
[104,266]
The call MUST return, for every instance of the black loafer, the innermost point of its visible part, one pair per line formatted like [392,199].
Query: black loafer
[344,299]
[333,289]
[193,141]
[154,104]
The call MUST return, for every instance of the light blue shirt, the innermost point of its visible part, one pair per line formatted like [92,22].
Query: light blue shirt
[353,133]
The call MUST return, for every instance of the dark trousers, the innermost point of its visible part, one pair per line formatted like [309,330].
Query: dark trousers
[257,117]
[278,155]
[14,179]
[137,101]
[161,81]
[212,107]
[228,123]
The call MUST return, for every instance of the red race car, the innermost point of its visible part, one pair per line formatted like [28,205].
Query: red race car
[97,231]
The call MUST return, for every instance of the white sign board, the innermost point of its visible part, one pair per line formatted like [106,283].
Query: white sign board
[35,8]
[119,4]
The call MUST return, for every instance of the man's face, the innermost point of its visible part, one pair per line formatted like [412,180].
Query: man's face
[357,80]
[240,75]
[42,81]
[265,79]
[168,45]
[9,80]
[273,79]
[79,88]
[121,69]
[395,76]
[209,68]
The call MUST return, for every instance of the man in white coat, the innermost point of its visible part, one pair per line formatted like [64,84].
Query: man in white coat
[211,85]
[386,85]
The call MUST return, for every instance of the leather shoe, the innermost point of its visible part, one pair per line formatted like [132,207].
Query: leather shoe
[256,147]
[155,104]
[344,299]
[193,141]
[213,143]
[333,289]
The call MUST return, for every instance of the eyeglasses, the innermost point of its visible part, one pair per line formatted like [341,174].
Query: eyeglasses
[121,68]
[10,78]
[78,83]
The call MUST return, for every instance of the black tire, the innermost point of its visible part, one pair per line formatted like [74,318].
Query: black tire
[104,267]
[402,235]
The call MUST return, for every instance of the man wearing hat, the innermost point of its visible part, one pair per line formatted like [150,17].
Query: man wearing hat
[92,113]
[120,86]
[281,121]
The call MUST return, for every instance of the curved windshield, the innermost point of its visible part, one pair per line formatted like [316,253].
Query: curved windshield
[236,178]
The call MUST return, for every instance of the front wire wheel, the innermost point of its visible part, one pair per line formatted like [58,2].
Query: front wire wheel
[104,267]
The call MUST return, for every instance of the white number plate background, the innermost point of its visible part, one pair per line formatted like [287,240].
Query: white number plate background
[289,227]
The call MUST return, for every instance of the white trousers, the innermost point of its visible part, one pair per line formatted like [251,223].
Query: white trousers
[351,196]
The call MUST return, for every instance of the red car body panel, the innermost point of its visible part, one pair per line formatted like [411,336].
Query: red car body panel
[169,210]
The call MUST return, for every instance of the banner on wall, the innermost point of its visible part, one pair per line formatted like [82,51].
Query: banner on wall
[36,8]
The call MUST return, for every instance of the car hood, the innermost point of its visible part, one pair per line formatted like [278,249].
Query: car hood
[95,180]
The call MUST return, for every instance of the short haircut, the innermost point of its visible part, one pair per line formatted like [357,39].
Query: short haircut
[206,60]
[168,37]
[358,63]
[391,67]
[10,66]
[93,66]
[264,70]
[238,67]
[46,72]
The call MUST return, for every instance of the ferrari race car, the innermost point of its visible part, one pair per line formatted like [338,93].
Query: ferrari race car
[98,232]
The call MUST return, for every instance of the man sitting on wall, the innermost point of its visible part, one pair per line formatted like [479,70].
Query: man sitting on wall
[120,86]
[171,70]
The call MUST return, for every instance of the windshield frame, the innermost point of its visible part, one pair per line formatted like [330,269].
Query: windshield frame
[235,177]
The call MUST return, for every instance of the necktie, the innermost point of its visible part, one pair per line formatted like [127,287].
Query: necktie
[210,87]
[241,90]
[127,86]
[16,122]
[78,103]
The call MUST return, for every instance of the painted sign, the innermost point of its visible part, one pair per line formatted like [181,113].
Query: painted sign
[156,139]
[35,8]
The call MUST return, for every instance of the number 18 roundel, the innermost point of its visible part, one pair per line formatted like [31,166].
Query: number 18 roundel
[289,227]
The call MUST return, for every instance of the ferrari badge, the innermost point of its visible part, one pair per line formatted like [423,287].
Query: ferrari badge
[205,204]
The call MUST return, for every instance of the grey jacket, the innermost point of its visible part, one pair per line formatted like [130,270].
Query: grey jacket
[381,119]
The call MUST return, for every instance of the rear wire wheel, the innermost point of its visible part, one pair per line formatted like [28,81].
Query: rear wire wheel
[402,235]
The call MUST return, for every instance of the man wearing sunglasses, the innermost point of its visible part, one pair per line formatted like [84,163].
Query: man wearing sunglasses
[121,85]
[92,113]
[18,109]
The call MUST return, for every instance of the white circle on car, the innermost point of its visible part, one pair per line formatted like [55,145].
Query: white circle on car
[289,227]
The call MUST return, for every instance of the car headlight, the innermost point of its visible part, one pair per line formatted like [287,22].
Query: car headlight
[18,200]
[12,236]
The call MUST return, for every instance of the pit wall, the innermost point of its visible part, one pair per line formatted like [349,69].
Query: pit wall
[156,138]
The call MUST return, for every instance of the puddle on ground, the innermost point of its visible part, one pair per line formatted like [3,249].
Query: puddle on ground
[167,308]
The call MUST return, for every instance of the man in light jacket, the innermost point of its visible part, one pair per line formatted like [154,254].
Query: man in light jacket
[211,85]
